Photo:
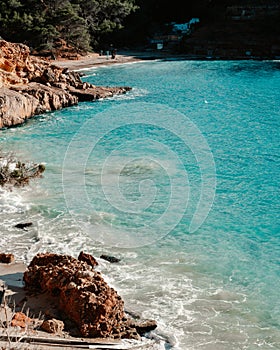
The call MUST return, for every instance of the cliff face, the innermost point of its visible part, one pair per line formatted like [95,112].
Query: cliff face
[31,86]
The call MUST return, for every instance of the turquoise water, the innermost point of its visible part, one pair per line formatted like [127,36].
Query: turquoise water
[180,179]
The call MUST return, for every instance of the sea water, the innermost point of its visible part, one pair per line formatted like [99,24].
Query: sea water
[180,179]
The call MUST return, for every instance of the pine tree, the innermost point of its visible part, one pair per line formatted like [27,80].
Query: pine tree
[79,23]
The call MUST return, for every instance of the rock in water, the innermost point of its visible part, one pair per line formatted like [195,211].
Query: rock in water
[82,294]
[89,259]
[23,225]
[111,259]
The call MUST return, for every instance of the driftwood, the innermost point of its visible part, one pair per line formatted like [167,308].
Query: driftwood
[15,172]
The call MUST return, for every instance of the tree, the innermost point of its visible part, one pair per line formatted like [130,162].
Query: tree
[103,17]
[81,23]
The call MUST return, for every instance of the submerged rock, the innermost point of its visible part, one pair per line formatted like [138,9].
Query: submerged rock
[82,295]
[23,225]
[110,258]
[30,86]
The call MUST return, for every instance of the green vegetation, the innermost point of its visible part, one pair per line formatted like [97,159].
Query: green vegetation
[95,24]
[80,23]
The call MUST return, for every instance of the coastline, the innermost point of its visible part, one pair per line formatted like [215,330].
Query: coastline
[91,60]
[131,56]
[11,274]
[39,307]
[110,62]
[122,57]
[31,85]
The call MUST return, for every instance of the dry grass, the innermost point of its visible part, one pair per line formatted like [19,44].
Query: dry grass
[16,338]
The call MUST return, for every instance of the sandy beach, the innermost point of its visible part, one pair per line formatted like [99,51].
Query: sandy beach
[94,59]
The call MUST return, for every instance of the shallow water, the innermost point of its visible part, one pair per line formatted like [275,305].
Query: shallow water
[180,179]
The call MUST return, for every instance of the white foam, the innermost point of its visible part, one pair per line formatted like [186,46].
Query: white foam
[11,201]
[130,95]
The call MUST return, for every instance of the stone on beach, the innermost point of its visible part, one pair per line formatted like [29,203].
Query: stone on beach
[23,225]
[52,326]
[21,320]
[6,258]
[83,296]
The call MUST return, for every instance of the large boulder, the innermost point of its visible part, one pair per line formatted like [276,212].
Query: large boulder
[82,295]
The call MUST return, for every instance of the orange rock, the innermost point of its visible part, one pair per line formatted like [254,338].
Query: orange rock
[20,320]
[83,295]
[30,85]
[8,66]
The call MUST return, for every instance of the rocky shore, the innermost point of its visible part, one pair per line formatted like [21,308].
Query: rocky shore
[30,86]
[65,299]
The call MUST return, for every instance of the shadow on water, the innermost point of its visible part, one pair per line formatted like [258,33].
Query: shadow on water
[259,67]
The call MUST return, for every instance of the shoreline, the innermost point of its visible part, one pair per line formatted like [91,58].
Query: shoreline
[40,307]
[32,85]
[109,63]
[95,60]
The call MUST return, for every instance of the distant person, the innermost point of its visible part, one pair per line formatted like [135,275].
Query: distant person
[114,53]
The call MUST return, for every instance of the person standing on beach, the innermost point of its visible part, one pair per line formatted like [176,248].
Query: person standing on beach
[114,53]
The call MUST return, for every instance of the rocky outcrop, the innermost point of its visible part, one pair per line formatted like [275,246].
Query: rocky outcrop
[96,92]
[83,296]
[30,86]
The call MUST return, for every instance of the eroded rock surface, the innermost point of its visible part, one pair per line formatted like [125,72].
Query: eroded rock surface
[83,296]
[52,326]
[30,86]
